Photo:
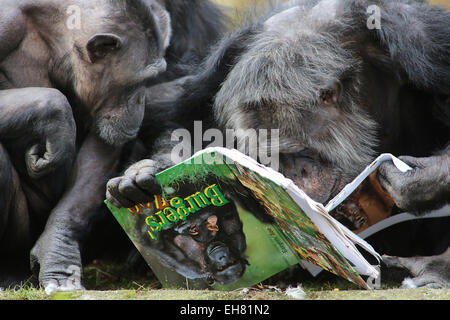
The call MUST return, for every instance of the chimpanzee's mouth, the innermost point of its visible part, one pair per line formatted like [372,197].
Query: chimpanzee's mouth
[318,179]
[324,194]
[334,189]
[218,248]
[214,247]
[228,272]
[130,133]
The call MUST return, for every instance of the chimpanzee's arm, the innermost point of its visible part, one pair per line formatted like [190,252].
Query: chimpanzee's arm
[162,118]
[12,27]
[424,188]
[40,118]
[57,251]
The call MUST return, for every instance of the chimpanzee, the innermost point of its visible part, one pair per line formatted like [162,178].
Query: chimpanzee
[342,80]
[72,78]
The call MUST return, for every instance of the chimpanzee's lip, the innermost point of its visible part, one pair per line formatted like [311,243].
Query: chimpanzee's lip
[335,188]
[326,195]
[131,134]
[233,264]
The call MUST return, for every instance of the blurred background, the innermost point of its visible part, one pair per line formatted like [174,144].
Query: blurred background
[239,4]
[235,9]
[445,3]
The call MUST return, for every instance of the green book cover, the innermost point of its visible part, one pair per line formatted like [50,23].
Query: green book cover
[218,224]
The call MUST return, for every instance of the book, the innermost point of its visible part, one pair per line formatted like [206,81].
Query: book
[224,221]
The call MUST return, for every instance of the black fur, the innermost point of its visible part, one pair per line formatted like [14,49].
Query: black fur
[196,25]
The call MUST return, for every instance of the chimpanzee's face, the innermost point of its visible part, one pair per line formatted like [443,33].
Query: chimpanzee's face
[119,49]
[299,75]
[208,244]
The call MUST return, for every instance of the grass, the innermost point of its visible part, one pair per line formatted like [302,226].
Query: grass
[110,281]
[163,294]
[24,293]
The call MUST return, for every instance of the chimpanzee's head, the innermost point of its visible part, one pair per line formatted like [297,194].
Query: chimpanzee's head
[208,245]
[214,240]
[120,46]
[321,74]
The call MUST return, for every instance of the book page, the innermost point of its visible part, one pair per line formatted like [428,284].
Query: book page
[312,242]
[315,210]
[349,188]
[342,238]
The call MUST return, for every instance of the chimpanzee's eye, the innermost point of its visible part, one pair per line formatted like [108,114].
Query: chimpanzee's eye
[305,153]
[327,97]
[193,229]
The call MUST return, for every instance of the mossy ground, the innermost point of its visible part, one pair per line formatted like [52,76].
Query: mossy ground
[111,281]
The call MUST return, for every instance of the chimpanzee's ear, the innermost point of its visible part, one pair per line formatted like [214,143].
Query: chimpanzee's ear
[163,21]
[417,38]
[100,45]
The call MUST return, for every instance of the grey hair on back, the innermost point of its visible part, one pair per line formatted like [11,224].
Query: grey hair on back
[282,72]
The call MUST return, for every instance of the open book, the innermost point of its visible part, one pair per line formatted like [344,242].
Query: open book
[224,221]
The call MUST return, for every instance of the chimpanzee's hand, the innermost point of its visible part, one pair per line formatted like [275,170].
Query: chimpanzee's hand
[137,185]
[56,143]
[425,187]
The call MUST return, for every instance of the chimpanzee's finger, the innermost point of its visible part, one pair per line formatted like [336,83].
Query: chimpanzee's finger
[113,200]
[412,161]
[390,261]
[146,164]
[385,175]
[386,169]
[130,190]
[145,179]
[39,163]
[112,188]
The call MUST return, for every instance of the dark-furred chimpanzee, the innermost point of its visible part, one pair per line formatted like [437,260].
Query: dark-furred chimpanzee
[72,75]
[343,80]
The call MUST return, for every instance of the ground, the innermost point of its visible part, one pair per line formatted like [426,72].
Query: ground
[109,281]
[106,281]
[145,294]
